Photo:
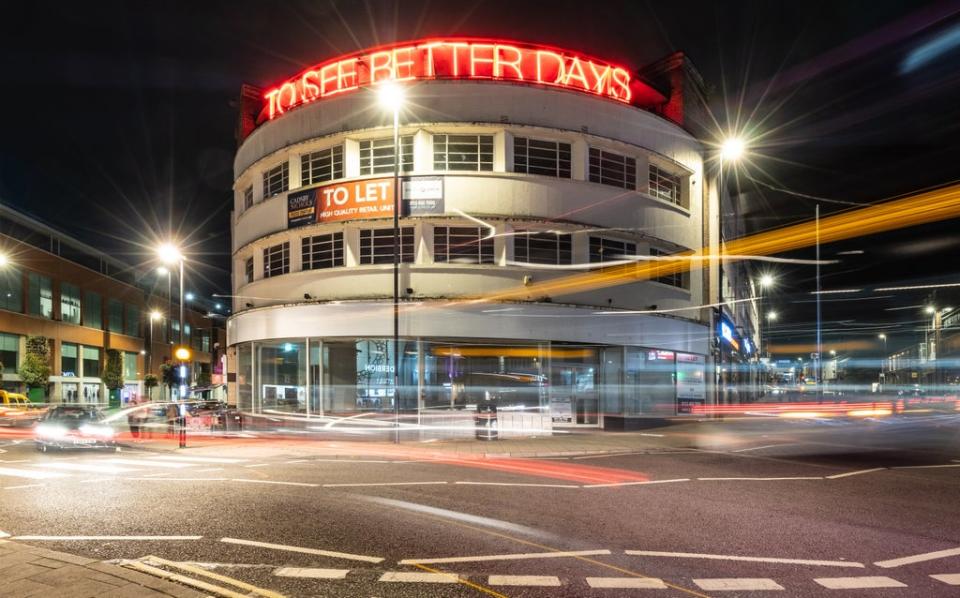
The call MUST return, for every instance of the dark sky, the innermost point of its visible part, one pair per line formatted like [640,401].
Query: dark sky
[118,117]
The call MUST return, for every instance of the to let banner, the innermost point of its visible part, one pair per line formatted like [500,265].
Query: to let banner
[354,200]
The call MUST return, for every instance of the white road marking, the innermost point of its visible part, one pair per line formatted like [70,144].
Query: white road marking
[383,484]
[105,538]
[14,460]
[152,463]
[737,584]
[503,557]
[652,435]
[853,583]
[301,549]
[850,473]
[517,484]
[952,579]
[626,583]
[759,479]
[25,486]
[183,459]
[86,467]
[419,577]
[543,581]
[33,475]
[918,558]
[311,573]
[636,483]
[275,482]
[756,448]
[925,466]
[298,461]
[751,559]
[259,465]
[4,534]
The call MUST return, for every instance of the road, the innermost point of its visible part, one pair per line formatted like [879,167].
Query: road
[751,508]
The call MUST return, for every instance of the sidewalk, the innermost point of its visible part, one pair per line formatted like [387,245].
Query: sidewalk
[31,571]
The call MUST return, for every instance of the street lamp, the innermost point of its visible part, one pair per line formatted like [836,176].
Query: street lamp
[4,260]
[390,96]
[883,358]
[731,150]
[170,254]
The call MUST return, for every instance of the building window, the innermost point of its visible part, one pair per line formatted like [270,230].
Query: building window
[69,303]
[174,331]
[92,310]
[11,289]
[115,316]
[674,279]
[376,155]
[248,198]
[68,359]
[132,324]
[248,269]
[537,156]
[9,351]
[664,185]
[40,296]
[276,260]
[322,251]
[603,249]
[325,165]
[129,365]
[542,248]
[463,152]
[376,246]
[91,362]
[186,333]
[276,180]
[609,168]
[462,245]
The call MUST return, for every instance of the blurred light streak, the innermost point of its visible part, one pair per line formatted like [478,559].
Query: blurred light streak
[935,48]
[511,352]
[835,291]
[920,287]
[913,210]
[812,347]
[665,311]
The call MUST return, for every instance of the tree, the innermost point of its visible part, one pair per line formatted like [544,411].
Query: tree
[35,369]
[150,382]
[112,375]
[168,374]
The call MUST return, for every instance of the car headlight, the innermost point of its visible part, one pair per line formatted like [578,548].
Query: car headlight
[51,431]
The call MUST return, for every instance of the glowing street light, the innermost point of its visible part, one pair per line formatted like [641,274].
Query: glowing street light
[4,260]
[189,296]
[169,253]
[767,281]
[732,149]
[772,316]
[931,309]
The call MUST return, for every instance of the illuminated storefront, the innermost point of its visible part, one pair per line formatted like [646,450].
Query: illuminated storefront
[526,174]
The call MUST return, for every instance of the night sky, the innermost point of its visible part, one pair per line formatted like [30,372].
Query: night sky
[118,118]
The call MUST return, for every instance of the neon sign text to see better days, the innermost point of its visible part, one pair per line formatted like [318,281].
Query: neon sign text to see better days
[464,59]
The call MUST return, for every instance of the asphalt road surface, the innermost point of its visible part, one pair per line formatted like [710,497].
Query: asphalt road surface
[744,508]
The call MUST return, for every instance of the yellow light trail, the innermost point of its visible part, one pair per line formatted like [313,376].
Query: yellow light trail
[913,210]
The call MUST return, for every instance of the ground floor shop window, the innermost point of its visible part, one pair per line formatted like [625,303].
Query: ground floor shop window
[567,384]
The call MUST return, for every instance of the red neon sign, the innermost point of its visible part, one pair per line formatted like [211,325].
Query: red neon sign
[458,58]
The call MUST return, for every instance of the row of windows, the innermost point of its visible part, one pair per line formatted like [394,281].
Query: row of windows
[75,360]
[451,244]
[473,153]
[76,306]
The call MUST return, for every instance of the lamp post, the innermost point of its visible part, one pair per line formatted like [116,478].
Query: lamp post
[170,254]
[163,271]
[391,98]
[731,150]
[883,358]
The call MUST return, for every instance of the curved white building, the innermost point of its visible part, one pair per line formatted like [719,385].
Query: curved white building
[518,198]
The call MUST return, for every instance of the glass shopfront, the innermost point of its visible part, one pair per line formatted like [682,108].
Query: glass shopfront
[566,384]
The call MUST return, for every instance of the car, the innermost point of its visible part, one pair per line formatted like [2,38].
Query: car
[17,410]
[73,426]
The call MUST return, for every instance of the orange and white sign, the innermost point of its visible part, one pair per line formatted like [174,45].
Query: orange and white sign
[354,200]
